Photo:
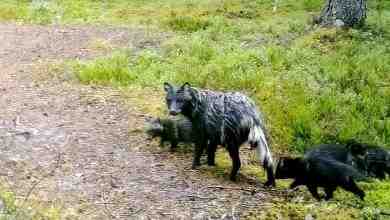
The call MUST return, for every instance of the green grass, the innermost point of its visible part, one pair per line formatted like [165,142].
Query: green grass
[324,87]
[31,209]
[313,85]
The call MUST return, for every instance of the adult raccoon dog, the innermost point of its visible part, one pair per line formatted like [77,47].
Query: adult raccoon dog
[314,172]
[228,119]
[172,130]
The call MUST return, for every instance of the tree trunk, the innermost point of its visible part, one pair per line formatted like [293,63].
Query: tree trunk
[343,13]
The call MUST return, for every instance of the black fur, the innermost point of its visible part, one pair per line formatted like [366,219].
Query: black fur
[377,162]
[227,119]
[319,172]
[352,153]
[172,130]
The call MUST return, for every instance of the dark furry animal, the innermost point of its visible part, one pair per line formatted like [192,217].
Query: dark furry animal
[227,119]
[377,162]
[173,130]
[320,172]
[351,153]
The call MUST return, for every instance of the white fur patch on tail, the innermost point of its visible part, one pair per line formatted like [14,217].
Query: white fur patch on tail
[257,135]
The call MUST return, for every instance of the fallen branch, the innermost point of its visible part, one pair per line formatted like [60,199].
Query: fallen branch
[50,173]
[232,188]
[106,210]
[202,197]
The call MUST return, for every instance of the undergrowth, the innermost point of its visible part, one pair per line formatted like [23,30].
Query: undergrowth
[314,85]
[326,86]
[12,207]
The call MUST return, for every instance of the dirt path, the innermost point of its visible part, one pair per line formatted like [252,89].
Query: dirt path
[74,140]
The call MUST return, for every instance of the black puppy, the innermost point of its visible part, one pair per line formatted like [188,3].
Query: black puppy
[319,172]
[351,153]
[377,162]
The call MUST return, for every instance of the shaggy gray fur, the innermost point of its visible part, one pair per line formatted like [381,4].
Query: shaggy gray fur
[173,130]
[227,119]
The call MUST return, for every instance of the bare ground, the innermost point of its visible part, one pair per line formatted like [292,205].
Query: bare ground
[79,145]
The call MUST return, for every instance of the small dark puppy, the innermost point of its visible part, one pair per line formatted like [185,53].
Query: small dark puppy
[377,162]
[173,130]
[319,172]
[351,153]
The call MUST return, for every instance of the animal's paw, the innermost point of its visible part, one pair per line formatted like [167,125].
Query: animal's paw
[233,178]
[195,166]
[270,183]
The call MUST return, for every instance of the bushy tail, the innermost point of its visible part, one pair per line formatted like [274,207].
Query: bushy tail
[257,139]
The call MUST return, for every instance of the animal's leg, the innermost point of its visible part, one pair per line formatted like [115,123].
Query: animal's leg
[162,140]
[173,145]
[379,171]
[270,173]
[211,153]
[388,169]
[199,147]
[380,174]
[234,155]
[351,186]
[329,192]
[295,183]
[313,191]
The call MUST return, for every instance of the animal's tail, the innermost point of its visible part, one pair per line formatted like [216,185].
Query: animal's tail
[257,139]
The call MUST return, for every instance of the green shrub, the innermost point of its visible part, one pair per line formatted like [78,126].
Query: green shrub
[108,70]
[187,23]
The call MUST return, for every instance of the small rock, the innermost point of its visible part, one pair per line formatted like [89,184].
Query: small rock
[309,217]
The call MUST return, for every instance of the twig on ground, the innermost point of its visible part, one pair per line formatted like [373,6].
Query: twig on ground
[106,210]
[132,213]
[202,197]
[233,188]
[50,173]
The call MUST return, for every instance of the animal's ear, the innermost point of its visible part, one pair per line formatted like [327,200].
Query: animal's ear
[167,86]
[187,91]
[356,148]
[186,86]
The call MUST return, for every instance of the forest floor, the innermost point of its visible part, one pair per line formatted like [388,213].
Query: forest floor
[83,146]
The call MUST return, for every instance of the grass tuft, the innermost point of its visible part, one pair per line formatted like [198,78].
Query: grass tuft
[187,23]
[14,208]
[314,85]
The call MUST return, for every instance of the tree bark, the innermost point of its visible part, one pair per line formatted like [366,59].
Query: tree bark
[343,13]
